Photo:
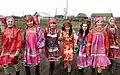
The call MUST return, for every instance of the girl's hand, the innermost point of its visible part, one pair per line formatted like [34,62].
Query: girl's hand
[17,53]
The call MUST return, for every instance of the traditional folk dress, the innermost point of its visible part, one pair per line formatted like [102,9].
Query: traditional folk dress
[98,47]
[113,41]
[67,47]
[52,45]
[11,42]
[82,58]
[34,43]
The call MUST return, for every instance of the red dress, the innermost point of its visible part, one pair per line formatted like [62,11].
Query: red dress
[11,42]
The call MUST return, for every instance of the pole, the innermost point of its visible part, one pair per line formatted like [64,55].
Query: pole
[66,8]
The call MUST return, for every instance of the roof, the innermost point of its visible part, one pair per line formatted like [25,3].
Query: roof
[102,14]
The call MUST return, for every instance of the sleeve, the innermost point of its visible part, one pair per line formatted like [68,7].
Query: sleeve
[19,40]
[106,43]
[89,41]
[3,41]
[75,38]
[116,36]
[41,39]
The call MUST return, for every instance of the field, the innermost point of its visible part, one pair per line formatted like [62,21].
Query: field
[59,70]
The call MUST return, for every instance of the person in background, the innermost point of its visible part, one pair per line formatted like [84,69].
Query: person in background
[11,46]
[34,45]
[114,52]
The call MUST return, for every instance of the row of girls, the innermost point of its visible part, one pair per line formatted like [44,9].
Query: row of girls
[93,47]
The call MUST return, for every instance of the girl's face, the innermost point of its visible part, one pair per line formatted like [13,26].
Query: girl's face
[36,20]
[10,22]
[112,22]
[84,27]
[99,23]
[30,23]
[52,25]
[67,27]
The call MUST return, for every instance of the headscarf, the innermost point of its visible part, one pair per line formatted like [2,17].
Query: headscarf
[51,20]
[66,23]
[29,18]
[96,19]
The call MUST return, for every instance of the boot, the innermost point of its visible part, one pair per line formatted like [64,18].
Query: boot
[8,74]
[17,72]
[27,68]
[37,70]
[98,73]
[93,71]
[81,72]
[69,73]
[51,68]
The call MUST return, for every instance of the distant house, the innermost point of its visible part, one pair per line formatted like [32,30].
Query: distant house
[59,17]
[42,15]
[105,15]
[80,17]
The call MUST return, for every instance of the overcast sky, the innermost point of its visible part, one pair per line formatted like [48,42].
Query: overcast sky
[22,7]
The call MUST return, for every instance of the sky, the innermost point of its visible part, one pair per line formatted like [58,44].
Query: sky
[48,7]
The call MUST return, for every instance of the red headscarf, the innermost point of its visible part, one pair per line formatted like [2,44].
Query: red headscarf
[67,23]
[4,20]
[96,19]
[29,18]
[51,20]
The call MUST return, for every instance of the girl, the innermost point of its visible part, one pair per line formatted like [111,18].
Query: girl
[113,37]
[113,42]
[98,46]
[34,44]
[11,45]
[51,44]
[36,20]
[81,42]
[67,45]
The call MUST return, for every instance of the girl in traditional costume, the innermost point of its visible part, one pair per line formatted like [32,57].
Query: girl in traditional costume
[68,42]
[98,46]
[52,48]
[82,59]
[34,44]
[113,37]
[11,46]
[113,42]
[36,20]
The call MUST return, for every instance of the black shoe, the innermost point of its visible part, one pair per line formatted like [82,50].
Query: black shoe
[37,70]
[17,72]
[81,72]
[93,71]
[69,73]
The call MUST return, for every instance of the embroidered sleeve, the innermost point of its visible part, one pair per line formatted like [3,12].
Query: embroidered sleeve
[19,41]
[116,36]
[89,41]
[41,38]
[106,43]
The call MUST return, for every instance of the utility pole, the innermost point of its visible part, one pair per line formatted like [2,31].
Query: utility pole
[66,9]
[56,12]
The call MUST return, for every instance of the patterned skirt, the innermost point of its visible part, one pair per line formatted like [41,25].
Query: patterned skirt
[53,54]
